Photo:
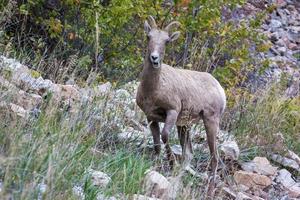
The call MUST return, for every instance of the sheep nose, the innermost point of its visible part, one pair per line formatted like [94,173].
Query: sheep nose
[154,57]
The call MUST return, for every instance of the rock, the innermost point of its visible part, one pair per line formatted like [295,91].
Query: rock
[287,162]
[293,90]
[293,46]
[27,100]
[42,188]
[99,178]
[177,150]
[281,3]
[19,111]
[130,135]
[26,82]
[282,50]
[293,156]
[67,92]
[260,165]
[156,185]
[274,51]
[142,197]
[78,191]
[275,24]
[175,188]
[238,195]
[122,94]
[274,37]
[252,180]
[103,89]
[230,150]
[229,192]
[280,42]
[285,179]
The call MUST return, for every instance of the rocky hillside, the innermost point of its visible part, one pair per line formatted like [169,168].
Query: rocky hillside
[25,93]
[64,141]
[282,28]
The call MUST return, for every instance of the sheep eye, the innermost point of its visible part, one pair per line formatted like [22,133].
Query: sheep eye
[148,37]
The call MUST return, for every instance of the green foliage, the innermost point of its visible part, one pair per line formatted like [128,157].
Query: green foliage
[108,37]
[128,170]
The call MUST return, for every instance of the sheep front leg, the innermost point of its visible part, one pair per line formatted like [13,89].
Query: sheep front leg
[154,127]
[169,124]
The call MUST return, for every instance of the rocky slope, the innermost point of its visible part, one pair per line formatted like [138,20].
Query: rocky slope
[25,94]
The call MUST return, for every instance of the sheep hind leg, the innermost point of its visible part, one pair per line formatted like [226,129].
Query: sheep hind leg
[186,144]
[169,124]
[212,128]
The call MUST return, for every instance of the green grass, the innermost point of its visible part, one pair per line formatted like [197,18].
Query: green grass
[266,115]
[59,147]
[127,169]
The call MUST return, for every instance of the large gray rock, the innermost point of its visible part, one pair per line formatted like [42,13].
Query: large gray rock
[78,192]
[285,179]
[287,162]
[230,149]
[19,111]
[156,185]
[252,180]
[99,178]
[275,24]
[260,165]
[26,100]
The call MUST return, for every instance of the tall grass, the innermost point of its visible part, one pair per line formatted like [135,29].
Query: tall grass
[261,120]
[59,147]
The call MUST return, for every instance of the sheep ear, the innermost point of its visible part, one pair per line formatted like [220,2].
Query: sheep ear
[147,27]
[174,36]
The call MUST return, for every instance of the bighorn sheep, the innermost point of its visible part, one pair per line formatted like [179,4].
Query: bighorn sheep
[177,96]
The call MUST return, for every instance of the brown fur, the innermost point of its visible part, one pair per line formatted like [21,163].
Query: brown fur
[178,97]
[188,92]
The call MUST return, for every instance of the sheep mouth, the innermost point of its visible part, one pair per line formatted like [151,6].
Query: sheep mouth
[155,64]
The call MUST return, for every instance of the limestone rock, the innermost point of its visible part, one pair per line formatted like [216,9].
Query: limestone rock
[260,165]
[103,89]
[230,150]
[177,150]
[287,162]
[26,100]
[286,180]
[130,135]
[78,191]
[156,185]
[19,111]
[252,180]
[275,23]
[99,178]
[293,156]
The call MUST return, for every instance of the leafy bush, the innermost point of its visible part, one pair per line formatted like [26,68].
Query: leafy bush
[106,37]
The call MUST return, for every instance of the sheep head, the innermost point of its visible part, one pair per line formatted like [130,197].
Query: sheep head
[157,40]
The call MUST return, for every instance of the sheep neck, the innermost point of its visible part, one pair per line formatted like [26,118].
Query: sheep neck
[150,76]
